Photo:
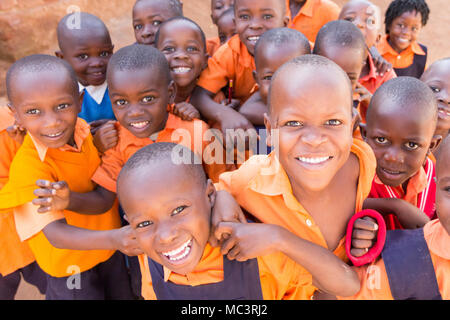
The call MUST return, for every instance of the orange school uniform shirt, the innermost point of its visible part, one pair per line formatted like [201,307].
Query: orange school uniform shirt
[374,279]
[312,16]
[281,278]
[232,61]
[14,254]
[212,45]
[115,158]
[399,60]
[76,166]
[262,187]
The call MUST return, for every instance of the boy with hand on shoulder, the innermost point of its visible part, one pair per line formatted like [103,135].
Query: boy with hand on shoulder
[400,128]
[87,48]
[169,205]
[58,151]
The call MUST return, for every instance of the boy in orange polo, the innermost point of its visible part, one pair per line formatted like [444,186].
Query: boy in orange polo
[401,124]
[416,263]
[308,16]
[234,62]
[318,176]
[58,147]
[169,205]
[403,21]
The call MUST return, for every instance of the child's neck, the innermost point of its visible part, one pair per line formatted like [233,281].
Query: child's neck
[398,50]
[183,93]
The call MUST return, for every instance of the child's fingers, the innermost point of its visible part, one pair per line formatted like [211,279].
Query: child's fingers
[42,202]
[44,209]
[223,228]
[227,245]
[358,252]
[44,192]
[363,234]
[361,244]
[59,185]
[234,252]
[43,183]
[365,224]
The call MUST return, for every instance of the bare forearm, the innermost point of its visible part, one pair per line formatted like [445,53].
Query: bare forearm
[208,108]
[253,109]
[64,236]
[97,201]
[328,271]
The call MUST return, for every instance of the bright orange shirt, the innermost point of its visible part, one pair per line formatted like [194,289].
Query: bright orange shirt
[14,253]
[281,278]
[262,187]
[212,45]
[232,61]
[373,80]
[399,60]
[374,279]
[312,16]
[115,158]
[73,165]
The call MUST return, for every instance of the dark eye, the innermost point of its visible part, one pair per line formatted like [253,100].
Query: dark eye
[267,78]
[192,49]
[83,56]
[168,49]
[351,19]
[267,16]
[156,23]
[333,122]
[104,54]
[178,210]
[148,99]
[244,17]
[411,145]
[144,224]
[138,27]
[381,140]
[32,111]
[120,102]
[370,21]
[435,89]
[62,106]
[293,124]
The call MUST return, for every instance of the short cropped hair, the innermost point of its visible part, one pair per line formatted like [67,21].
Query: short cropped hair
[339,33]
[138,57]
[282,36]
[202,34]
[175,6]
[406,92]
[156,153]
[398,7]
[282,2]
[37,63]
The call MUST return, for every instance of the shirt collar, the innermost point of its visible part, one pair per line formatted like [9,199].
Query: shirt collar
[306,10]
[96,92]
[384,47]
[237,46]
[438,240]
[82,131]
[372,70]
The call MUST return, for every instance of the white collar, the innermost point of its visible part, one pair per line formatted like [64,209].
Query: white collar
[96,92]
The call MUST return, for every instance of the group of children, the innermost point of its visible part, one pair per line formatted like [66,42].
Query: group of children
[133,175]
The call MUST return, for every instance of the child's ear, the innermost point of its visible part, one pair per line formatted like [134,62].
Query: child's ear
[377,40]
[14,112]
[211,192]
[435,141]
[363,129]
[286,21]
[254,74]
[172,89]
[59,54]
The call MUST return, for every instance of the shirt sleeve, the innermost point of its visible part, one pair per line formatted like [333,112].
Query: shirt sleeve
[107,173]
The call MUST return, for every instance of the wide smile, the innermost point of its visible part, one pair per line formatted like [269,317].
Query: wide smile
[180,254]
[253,39]
[139,125]
[403,40]
[181,70]
[54,136]
[313,162]
[443,113]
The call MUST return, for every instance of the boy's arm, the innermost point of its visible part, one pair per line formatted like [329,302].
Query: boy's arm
[409,215]
[56,196]
[253,109]
[64,236]
[247,241]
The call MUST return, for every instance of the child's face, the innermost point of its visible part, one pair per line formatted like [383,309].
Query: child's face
[404,30]
[46,105]
[89,57]
[147,16]
[270,58]
[226,27]
[312,110]
[139,99]
[254,17]
[170,213]
[437,77]
[218,7]
[400,141]
[443,187]
[351,60]
[184,48]
[366,17]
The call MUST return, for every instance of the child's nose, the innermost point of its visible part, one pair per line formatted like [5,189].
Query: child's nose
[134,111]
[394,155]
[313,137]
[166,233]
[147,32]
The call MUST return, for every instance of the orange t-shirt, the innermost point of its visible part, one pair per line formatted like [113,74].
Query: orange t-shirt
[73,165]
[374,279]
[312,16]
[232,61]
[280,277]
[14,253]
[212,45]
[262,187]
[399,60]
[188,133]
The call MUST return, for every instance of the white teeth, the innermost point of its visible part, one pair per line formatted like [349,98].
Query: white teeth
[181,70]
[54,135]
[403,40]
[256,38]
[313,160]
[443,112]
[139,125]
[174,254]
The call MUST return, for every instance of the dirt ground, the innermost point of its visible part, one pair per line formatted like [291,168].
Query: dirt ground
[434,35]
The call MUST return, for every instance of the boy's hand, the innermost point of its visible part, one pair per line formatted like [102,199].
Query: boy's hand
[225,209]
[235,103]
[364,95]
[240,127]
[380,63]
[16,132]
[364,236]
[186,111]
[247,240]
[124,240]
[51,196]
[106,136]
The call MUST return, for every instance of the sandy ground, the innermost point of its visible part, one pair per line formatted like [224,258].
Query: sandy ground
[434,35]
